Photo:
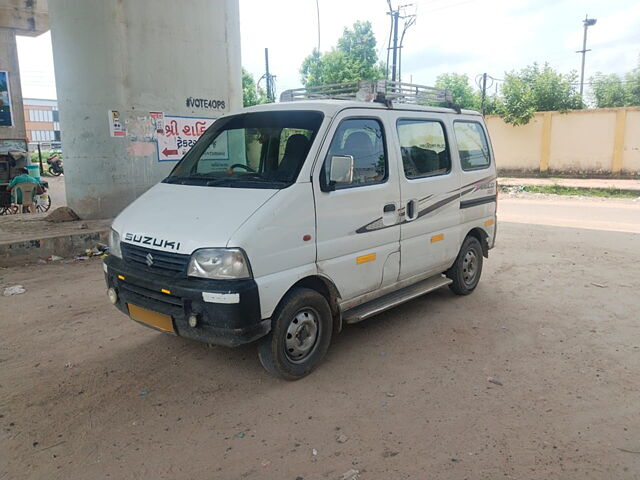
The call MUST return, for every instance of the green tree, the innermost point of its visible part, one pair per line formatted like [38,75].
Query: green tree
[461,91]
[251,94]
[537,89]
[632,85]
[608,91]
[354,58]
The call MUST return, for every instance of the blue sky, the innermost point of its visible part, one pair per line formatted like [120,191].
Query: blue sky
[463,36]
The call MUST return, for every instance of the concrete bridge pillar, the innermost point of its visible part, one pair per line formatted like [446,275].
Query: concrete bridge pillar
[17,17]
[120,63]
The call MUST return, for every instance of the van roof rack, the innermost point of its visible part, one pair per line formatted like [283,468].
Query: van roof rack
[382,91]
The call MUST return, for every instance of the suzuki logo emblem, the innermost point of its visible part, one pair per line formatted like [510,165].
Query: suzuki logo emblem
[149,259]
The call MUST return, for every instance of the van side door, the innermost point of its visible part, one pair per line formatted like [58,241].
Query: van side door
[429,187]
[478,175]
[357,216]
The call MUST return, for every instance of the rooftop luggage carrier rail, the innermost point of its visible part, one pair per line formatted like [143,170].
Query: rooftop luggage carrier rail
[382,91]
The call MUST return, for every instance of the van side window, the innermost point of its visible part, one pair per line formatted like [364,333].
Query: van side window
[424,148]
[472,145]
[363,139]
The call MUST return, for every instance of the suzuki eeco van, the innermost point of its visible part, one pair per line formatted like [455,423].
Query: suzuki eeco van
[285,221]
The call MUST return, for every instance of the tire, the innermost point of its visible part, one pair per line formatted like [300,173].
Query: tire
[467,268]
[55,173]
[292,349]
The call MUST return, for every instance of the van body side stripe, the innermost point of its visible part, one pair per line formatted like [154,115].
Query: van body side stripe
[478,201]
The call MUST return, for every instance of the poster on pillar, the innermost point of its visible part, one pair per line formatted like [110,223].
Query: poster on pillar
[178,134]
[6,119]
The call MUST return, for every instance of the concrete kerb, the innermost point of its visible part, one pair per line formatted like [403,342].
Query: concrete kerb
[34,247]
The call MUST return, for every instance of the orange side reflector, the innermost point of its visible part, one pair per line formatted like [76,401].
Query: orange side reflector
[369,257]
[164,290]
[121,277]
[154,319]
[489,222]
[437,238]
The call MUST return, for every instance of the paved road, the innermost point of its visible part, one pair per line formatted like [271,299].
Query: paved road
[86,393]
[57,191]
[616,215]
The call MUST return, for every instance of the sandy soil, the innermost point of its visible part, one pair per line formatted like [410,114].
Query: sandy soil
[86,393]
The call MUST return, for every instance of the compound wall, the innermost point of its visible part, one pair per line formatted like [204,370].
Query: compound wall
[604,141]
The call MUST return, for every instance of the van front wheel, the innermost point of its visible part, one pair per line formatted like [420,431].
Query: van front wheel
[300,335]
[467,268]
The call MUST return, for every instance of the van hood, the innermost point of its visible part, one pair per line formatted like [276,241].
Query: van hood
[183,218]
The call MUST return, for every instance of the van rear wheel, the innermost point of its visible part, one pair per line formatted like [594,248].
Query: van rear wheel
[300,335]
[467,268]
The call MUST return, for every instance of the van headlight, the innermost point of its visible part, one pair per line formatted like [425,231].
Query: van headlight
[114,244]
[219,263]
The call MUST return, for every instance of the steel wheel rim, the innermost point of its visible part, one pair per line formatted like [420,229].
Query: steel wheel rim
[470,267]
[301,337]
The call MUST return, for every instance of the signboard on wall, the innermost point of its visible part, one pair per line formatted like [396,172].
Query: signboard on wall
[179,134]
[6,117]
[116,129]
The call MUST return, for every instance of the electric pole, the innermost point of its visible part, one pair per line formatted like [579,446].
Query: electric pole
[588,22]
[394,64]
[484,91]
[409,20]
[268,78]
[318,15]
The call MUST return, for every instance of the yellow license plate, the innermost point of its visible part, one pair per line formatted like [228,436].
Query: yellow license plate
[153,319]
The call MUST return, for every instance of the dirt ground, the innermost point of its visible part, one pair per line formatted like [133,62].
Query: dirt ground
[85,393]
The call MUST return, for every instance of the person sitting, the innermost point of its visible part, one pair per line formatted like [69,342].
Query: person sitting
[24,177]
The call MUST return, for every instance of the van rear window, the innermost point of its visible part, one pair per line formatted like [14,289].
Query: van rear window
[250,150]
[472,145]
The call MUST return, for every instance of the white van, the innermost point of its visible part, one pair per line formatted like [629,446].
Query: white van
[287,220]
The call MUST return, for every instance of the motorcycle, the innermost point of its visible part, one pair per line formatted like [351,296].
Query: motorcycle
[55,165]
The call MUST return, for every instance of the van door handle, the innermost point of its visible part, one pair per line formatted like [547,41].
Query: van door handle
[411,212]
[389,214]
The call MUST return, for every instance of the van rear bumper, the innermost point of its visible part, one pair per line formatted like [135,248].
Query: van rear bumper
[228,324]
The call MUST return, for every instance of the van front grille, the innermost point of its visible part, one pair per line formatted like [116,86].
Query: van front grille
[155,260]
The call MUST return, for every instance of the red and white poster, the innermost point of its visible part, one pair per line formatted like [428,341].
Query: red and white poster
[176,135]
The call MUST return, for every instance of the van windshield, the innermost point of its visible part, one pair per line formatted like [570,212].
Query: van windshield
[250,150]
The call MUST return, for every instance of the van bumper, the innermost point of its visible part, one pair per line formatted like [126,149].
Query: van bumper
[228,324]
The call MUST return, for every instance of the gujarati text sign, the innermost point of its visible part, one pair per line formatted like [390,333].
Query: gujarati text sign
[177,135]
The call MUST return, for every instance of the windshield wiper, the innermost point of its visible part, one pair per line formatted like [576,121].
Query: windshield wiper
[175,179]
[252,181]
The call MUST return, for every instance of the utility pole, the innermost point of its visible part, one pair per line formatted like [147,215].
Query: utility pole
[395,15]
[484,91]
[318,15]
[409,20]
[268,78]
[587,23]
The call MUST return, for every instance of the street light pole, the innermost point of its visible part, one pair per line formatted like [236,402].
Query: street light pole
[587,23]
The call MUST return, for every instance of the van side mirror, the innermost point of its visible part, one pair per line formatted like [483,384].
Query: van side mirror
[341,169]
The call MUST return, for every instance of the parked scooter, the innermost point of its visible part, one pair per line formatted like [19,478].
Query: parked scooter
[55,165]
